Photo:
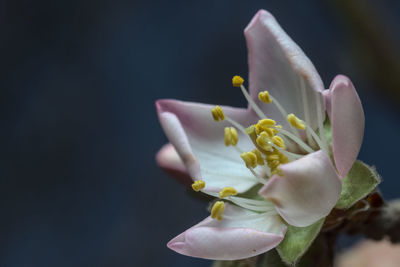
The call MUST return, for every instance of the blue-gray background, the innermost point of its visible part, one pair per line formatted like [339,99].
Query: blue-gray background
[79,184]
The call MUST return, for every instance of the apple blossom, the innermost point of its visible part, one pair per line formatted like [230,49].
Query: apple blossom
[278,144]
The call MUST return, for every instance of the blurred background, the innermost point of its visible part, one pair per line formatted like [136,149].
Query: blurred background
[79,185]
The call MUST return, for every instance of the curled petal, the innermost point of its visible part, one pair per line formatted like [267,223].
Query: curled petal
[241,234]
[199,141]
[308,190]
[168,159]
[347,118]
[278,65]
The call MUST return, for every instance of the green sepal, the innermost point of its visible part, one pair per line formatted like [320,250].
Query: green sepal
[297,241]
[358,183]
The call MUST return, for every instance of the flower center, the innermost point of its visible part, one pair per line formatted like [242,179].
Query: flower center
[273,144]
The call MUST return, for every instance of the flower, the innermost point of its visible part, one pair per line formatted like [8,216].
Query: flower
[287,155]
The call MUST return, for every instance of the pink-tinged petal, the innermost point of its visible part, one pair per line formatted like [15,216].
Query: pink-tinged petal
[308,190]
[199,141]
[278,65]
[168,159]
[241,234]
[347,118]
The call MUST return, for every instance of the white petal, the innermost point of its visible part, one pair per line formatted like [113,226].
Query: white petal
[277,64]
[199,141]
[241,234]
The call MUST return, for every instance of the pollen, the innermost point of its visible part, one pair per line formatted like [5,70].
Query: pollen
[237,81]
[296,122]
[198,185]
[231,136]
[218,113]
[217,210]
[265,97]
[227,191]
[250,159]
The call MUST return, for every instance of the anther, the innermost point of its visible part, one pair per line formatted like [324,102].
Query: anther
[250,159]
[263,141]
[265,97]
[260,160]
[296,122]
[217,210]
[218,113]
[277,140]
[230,136]
[237,81]
[227,191]
[198,185]
[266,123]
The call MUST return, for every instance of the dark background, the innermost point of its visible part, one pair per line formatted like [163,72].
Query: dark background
[79,184]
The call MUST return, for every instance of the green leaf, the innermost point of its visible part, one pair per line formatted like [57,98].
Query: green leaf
[358,183]
[297,240]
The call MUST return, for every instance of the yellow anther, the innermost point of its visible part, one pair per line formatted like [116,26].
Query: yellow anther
[272,157]
[277,140]
[265,97]
[266,123]
[198,185]
[227,191]
[218,113]
[250,159]
[296,122]
[231,136]
[260,160]
[217,210]
[263,141]
[237,81]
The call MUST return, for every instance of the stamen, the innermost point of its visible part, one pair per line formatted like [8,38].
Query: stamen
[316,138]
[217,210]
[258,177]
[227,191]
[260,160]
[266,123]
[277,140]
[236,124]
[198,185]
[264,140]
[218,113]
[290,155]
[250,159]
[237,81]
[230,136]
[253,105]
[296,122]
[284,115]
[297,140]
[264,97]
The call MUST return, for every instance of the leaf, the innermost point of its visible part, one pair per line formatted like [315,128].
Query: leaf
[297,240]
[358,183]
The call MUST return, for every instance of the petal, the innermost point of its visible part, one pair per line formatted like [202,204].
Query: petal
[347,118]
[199,141]
[308,190]
[168,159]
[242,234]
[278,65]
